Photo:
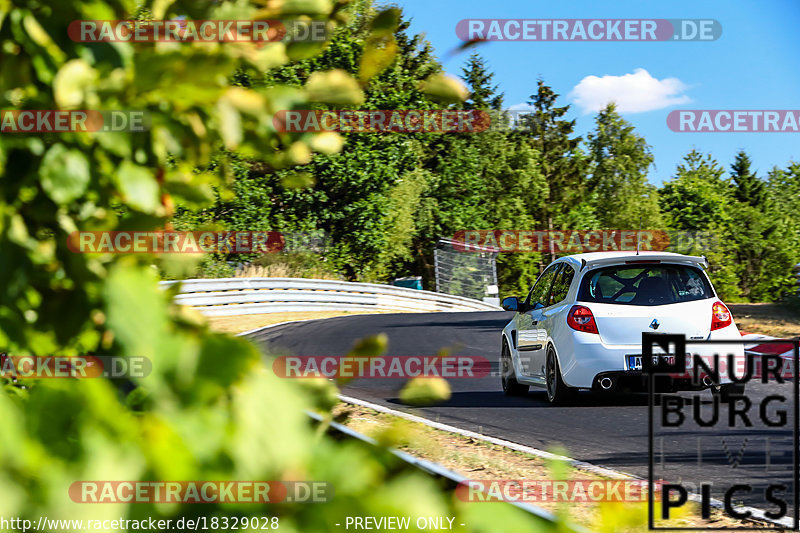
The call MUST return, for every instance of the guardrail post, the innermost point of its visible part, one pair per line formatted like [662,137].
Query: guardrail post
[436,267]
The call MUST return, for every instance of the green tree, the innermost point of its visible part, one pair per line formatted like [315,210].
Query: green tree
[488,180]
[352,195]
[619,161]
[482,94]
[751,233]
[699,196]
[699,199]
[562,163]
[782,208]
[515,183]
[749,188]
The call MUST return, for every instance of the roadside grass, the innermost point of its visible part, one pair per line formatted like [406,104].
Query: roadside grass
[775,319]
[240,323]
[282,270]
[479,460]
[289,265]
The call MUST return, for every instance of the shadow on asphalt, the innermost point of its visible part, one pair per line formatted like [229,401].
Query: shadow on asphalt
[535,399]
[494,324]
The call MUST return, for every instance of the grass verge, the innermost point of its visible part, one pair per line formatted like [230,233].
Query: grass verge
[240,323]
[777,320]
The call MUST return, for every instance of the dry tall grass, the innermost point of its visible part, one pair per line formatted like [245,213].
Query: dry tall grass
[283,270]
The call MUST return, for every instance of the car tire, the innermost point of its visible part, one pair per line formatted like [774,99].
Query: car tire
[511,387]
[730,391]
[557,391]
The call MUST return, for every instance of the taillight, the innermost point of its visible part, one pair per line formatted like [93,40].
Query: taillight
[720,316]
[580,318]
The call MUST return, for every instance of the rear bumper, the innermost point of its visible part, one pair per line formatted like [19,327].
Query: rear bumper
[635,381]
[590,360]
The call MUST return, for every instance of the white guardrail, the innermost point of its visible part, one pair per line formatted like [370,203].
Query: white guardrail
[245,296]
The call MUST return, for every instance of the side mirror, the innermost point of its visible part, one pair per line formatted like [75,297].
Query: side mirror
[512,303]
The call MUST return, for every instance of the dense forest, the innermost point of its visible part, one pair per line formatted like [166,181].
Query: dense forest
[385,198]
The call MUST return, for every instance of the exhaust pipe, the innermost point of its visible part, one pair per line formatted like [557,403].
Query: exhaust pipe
[606,383]
[707,381]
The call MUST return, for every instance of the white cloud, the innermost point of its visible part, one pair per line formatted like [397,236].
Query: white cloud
[633,93]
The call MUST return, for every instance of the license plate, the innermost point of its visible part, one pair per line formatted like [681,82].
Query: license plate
[635,361]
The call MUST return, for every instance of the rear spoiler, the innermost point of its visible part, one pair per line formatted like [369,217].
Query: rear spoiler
[674,259]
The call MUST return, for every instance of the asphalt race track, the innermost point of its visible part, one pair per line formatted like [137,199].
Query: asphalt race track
[610,431]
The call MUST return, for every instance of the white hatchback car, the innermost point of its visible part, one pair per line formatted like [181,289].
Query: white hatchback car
[581,325]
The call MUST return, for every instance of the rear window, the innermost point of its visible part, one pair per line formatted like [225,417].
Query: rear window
[645,285]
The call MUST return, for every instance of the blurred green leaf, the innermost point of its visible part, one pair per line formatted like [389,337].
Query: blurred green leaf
[499,517]
[373,346]
[135,310]
[246,101]
[306,7]
[466,45]
[385,23]
[444,88]
[425,391]
[230,124]
[73,83]
[138,186]
[327,142]
[40,36]
[116,142]
[300,50]
[297,180]
[365,348]
[268,56]
[196,194]
[334,87]
[558,467]
[377,56]
[64,173]
[622,516]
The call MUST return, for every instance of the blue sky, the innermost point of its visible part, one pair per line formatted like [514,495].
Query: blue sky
[755,64]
